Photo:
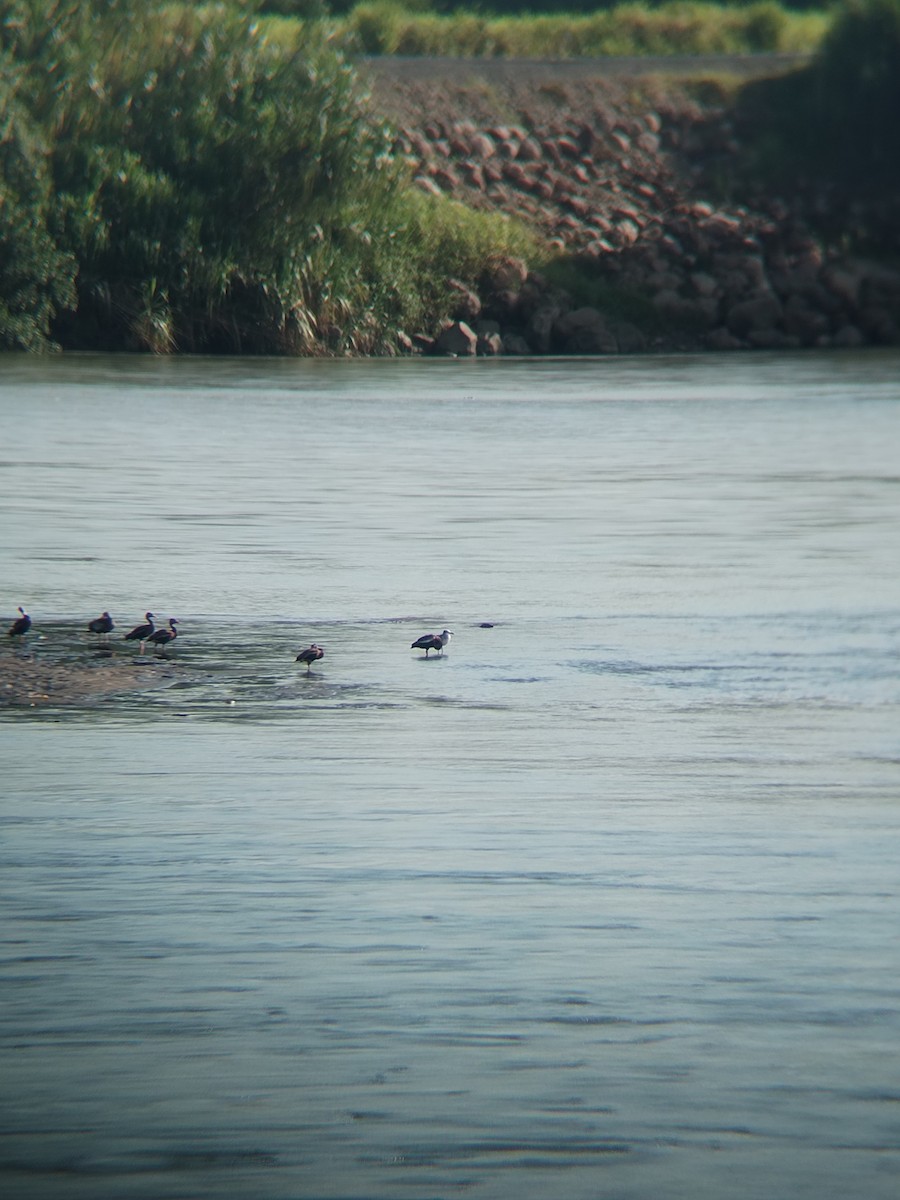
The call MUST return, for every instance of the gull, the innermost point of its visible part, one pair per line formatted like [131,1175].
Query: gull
[432,641]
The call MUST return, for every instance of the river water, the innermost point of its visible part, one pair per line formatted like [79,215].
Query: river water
[600,903]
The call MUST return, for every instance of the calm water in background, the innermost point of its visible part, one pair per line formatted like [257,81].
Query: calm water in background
[603,903]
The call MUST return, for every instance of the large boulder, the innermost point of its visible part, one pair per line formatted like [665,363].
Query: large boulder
[466,303]
[584,331]
[505,274]
[759,312]
[457,339]
[516,346]
[540,327]
[490,345]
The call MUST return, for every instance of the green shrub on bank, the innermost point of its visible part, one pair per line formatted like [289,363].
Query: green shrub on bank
[208,189]
[36,276]
[830,133]
[440,239]
[386,27]
[199,169]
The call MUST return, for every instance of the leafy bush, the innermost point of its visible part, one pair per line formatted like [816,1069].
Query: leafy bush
[830,132]
[197,171]
[36,276]
[215,190]
[439,239]
[857,86]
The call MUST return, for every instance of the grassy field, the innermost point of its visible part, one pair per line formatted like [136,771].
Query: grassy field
[386,27]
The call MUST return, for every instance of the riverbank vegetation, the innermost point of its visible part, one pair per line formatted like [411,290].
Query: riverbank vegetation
[682,27]
[209,178]
[829,135]
[186,184]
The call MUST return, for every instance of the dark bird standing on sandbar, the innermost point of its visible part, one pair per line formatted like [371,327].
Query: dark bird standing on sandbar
[432,641]
[140,633]
[162,637]
[311,654]
[102,625]
[21,624]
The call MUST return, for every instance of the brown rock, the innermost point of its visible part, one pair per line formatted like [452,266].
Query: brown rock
[703,284]
[508,148]
[519,175]
[456,338]
[515,345]
[760,312]
[848,337]
[427,185]
[539,329]
[722,339]
[530,150]
[772,339]
[845,280]
[466,304]
[625,232]
[649,143]
[474,176]
[577,205]
[584,331]
[482,146]
[489,345]
[880,326]
[629,339]
[804,322]
[506,274]
[446,179]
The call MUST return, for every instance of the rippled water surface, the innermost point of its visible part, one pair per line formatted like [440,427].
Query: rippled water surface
[600,903]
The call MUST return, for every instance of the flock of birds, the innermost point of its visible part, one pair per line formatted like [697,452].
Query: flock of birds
[104,625]
[163,636]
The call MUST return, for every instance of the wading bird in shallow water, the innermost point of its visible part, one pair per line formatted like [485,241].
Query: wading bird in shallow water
[432,641]
[140,633]
[21,624]
[102,625]
[311,654]
[162,637]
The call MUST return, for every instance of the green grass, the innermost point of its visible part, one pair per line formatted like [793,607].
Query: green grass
[385,27]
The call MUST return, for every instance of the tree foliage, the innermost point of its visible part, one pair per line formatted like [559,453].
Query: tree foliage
[175,180]
[198,167]
[197,174]
[830,131]
[36,275]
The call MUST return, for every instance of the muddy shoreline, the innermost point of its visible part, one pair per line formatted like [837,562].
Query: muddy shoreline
[39,679]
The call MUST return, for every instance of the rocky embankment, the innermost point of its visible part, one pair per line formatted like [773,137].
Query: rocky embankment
[619,173]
